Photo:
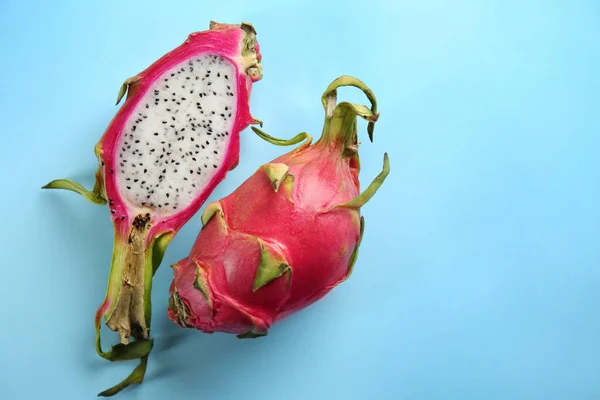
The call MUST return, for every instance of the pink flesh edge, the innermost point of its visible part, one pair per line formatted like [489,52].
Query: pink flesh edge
[225,43]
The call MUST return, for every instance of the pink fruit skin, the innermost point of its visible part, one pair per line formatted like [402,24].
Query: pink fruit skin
[224,40]
[316,241]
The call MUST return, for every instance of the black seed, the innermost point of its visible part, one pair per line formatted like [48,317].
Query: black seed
[214,166]
[155,133]
[122,217]
[112,211]
[226,77]
[128,187]
[135,180]
[145,170]
[164,122]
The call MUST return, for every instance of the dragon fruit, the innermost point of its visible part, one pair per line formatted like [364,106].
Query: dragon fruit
[172,141]
[286,237]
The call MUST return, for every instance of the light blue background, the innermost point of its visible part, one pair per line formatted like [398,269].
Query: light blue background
[479,274]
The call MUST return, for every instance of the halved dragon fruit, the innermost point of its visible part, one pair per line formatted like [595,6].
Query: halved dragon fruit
[286,237]
[169,145]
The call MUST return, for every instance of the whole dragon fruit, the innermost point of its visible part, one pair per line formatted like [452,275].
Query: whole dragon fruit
[285,237]
[169,145]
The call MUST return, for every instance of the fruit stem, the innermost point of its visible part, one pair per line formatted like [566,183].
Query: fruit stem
[340,119]
[127,308]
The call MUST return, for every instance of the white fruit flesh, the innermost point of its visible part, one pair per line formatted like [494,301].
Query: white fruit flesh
[177,135]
